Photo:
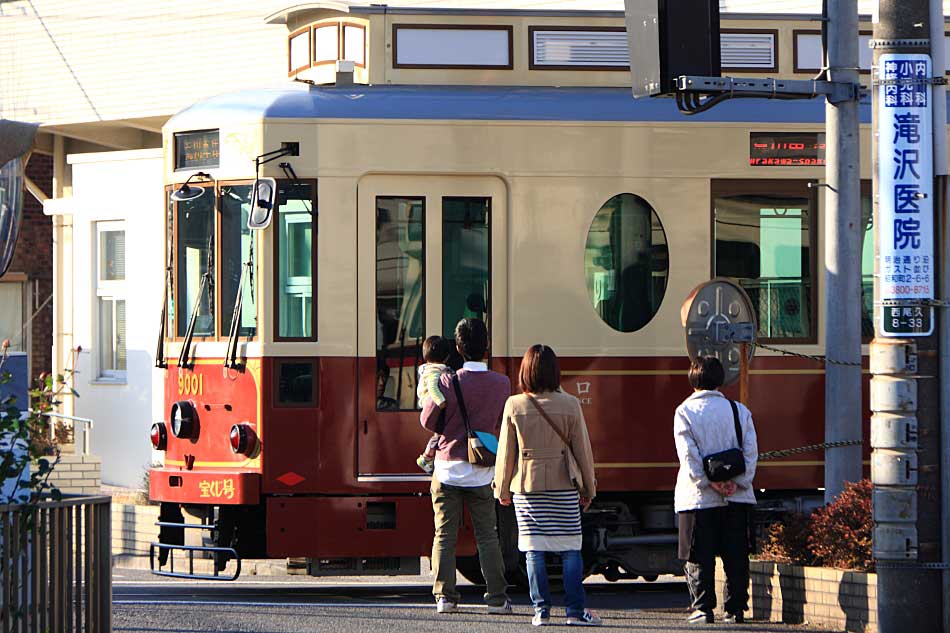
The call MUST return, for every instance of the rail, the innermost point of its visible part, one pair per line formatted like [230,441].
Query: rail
[86,431]
[56,566]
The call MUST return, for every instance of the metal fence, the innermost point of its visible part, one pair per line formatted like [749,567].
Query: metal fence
[56,566]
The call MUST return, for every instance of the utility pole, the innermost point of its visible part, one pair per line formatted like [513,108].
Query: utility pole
[905,385]
[843,233]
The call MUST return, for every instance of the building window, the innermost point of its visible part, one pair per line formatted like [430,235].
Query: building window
[110,299]
[626,262]
[764,236]
[12,314]
[296,255]
[453,46]
[400,299]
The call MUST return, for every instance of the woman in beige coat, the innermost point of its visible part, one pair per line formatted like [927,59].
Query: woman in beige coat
[546,466]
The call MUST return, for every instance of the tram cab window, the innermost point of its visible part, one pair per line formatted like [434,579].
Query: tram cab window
[296,260]
[195,224]
[235,250]
[465,256]
[626,262]
[400,300]
[764,236]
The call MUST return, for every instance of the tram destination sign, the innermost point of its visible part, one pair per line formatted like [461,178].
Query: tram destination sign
[786,149]
[905,206]
[197,149]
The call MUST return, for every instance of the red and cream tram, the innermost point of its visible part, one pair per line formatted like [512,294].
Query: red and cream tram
[576,217]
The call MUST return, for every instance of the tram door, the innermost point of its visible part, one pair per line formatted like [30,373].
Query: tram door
[432,250]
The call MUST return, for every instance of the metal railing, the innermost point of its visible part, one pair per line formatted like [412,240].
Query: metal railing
[56,566]
[87,425]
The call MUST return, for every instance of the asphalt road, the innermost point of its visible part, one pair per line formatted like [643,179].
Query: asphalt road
[290,604]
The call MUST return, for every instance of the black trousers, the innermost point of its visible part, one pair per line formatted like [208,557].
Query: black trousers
[706,534]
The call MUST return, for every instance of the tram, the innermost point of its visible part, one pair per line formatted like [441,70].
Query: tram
[576,217]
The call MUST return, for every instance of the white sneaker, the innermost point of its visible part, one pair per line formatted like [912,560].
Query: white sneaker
[587,619]
[541,619]
[444,605]
[500,609]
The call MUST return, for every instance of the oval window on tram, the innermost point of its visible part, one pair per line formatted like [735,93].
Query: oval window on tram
[626,262]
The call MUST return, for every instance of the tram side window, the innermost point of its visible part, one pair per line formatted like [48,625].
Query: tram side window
[764,236]
[465,269]
[235,251]
[400,300]
[195,223]
[626,262]
[296,256]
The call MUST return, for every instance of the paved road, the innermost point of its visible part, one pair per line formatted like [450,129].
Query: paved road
[288,604]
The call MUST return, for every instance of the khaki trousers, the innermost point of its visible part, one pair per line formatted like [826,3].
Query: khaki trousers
[447,504]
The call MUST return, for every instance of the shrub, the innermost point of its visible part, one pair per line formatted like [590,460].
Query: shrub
[836,535]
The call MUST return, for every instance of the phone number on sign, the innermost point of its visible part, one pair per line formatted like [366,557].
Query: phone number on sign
[907,291]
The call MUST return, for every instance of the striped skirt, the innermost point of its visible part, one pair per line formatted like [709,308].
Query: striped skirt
[548,521]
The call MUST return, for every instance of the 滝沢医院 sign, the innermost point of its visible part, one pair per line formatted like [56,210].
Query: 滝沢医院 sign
[905,188]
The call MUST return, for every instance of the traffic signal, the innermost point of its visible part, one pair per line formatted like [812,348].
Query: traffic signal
[669,38]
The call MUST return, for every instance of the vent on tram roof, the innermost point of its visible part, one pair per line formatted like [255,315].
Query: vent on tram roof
[553,48]
[748,50]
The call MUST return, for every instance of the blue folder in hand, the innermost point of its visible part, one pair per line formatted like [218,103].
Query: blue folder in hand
[488,440]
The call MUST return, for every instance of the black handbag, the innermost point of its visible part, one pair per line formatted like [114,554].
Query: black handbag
[730,463]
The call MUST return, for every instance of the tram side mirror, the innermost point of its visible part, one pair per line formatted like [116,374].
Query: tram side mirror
[16,139]
[262,203]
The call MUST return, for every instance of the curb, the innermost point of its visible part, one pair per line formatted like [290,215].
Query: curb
[254,567]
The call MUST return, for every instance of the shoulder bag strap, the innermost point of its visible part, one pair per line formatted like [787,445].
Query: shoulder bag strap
[735,418]
[547,419]
[462,409]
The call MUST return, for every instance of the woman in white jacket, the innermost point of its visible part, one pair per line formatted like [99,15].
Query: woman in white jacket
[713,516]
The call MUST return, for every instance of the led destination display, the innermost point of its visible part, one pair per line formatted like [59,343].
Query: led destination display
[786,149]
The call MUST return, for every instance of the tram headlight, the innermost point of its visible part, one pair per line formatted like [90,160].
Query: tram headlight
[159,436]
[243,439]
[184,420]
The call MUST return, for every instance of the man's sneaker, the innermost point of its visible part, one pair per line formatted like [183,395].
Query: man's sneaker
[541,618]
[585,619]
[425,465]
[734,618]
[444,605]
[700,616]
[500,609]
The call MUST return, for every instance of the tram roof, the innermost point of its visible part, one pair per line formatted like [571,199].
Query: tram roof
[484,104]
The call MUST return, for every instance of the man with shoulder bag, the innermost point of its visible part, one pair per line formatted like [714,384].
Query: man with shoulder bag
[717,449]
[464,467]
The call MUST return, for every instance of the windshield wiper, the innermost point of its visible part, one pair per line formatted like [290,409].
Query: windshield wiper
[247,272]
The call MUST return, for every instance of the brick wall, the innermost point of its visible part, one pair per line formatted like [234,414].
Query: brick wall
[841,600]
[78,475]
[34,258]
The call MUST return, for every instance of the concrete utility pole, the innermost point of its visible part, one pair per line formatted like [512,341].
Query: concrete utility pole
[843,233]
[905,388]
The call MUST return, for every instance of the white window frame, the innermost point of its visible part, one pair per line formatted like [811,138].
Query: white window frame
[112,289]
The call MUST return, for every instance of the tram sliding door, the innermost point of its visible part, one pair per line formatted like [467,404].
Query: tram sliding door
[432,250]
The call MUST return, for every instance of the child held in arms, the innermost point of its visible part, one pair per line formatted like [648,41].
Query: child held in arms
[436,352]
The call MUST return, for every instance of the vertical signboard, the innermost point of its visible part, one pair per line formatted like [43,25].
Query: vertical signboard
[905,177]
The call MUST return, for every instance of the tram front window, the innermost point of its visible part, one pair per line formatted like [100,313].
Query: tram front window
[296,240]
[195,244]
[235,251]
[764,237]
[400,300]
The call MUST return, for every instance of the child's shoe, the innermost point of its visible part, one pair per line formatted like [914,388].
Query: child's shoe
[425,464]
